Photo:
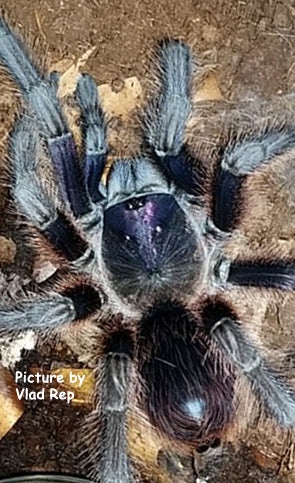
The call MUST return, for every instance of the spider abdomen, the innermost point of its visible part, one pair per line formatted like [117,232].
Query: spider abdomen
[188,395]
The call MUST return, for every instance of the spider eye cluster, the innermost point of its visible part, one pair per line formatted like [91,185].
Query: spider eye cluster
[135,203]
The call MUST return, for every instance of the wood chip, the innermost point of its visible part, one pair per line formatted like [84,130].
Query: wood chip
[144,445]
[44,271]
[83,394]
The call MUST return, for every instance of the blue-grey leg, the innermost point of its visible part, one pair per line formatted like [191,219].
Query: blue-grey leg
[228,334]
[40,94]
[38,314]
[54,78]
[167,114]
[94,132]
[31,198]
[114,461]
[52,312]
[239,160]
[260,273]
[107,458]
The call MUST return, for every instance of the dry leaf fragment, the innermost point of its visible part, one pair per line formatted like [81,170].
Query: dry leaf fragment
[83,393]
[209,89]
[144,445]
[11,348]
[116,102]
[68,80]
[7,250]
[11,408]
[121,103]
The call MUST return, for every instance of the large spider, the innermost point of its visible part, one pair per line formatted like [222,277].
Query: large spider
[148,252]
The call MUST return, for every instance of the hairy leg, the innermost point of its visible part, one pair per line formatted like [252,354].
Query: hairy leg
[107,452]
[228,334]
[167,117]
[167,114]
[94,131]
[31,198]
[267,273]
[53,311]
[40,94]
[261,273]
[38,314]
[238,161]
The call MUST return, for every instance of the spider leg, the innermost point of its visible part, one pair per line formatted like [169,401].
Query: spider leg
[238,161]
[165,134]
[31,198]
[167,115]
[54,78]
[108,460]
[39,314]
[54,311]
[94,130]
[229,336]
[40,94]
[260,273]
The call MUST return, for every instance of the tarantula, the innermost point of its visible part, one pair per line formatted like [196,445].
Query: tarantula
[147,248]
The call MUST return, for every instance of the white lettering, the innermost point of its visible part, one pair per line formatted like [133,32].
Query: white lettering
[53,393]
[18,375]
[81,379]
[73,378]
[63,395]
[19,393]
